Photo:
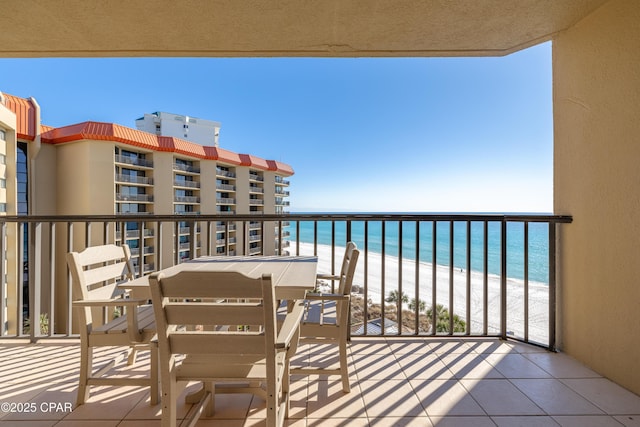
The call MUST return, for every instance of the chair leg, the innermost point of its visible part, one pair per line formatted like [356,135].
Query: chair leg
[86,366]
[210,407]
[133,353]
[169,404]
[154,374]
[344,368]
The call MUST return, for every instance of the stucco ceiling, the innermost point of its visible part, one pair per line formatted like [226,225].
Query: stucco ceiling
[50,28]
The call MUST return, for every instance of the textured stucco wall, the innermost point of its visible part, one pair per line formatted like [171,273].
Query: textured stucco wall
[596,78]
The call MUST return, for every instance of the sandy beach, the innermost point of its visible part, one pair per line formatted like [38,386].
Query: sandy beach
[538,293]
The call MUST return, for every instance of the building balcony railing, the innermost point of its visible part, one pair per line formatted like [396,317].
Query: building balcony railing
[485,275]
[225,201]
[255,177]
[227,174]
[226,187]
[143,198]
[223,227]
[256,190]
[258,202]
[281,180]
[134,179]
[186,184]
[186,168]
[186,199]
[135,161]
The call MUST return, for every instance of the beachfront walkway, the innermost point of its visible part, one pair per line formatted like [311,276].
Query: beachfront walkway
[417,382]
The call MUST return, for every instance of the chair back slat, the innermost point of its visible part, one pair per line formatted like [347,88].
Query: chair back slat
[106,273]
[203,284]
[214,313]
[217,343]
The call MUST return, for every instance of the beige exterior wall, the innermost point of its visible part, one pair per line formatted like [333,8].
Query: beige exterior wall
[86,178]
[596,81]
[9,196]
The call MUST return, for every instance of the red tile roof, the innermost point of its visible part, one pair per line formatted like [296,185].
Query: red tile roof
[114,132]
[25,111]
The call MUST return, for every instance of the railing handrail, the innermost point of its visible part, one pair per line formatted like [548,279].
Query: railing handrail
[556,219]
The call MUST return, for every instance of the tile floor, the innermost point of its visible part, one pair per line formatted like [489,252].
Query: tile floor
[407,382]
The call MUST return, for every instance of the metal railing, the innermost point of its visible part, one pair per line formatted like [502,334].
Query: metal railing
[418,275]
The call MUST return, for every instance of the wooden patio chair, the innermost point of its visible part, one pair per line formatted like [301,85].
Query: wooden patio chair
[220,328]
[95,272]
[326,319]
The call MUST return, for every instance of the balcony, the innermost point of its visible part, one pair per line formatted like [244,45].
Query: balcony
[484,373]
[225,201]
[226,187]
[134,161]
[139,198]
[133,179]
[224,173]
[185,183]
[280,180]
[186,168]
[420,381]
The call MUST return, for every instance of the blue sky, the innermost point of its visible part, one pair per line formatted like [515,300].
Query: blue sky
[362,134]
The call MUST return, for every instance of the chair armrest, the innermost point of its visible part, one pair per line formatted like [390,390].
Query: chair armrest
[291,325]
[325,276]
[109,302]
[327,297]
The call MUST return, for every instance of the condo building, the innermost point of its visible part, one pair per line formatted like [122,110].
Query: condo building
[170,165]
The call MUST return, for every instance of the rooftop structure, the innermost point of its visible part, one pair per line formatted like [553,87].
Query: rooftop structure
[200,131]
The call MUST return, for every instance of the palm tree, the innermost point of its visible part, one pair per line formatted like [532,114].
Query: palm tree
[421,305]
[442,320]
[398,298]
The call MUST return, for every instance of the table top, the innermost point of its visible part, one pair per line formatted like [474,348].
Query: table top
[292,275]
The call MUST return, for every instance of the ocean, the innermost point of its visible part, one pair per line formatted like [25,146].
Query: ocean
[538,244]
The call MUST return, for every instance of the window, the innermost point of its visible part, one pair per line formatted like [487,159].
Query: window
[3,183]
[3,135]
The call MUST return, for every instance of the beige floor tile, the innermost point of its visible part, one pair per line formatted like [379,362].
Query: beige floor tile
[297,403]
[470,366]
[29,423]
[516,366]
[422,421]
[561,366]
[377,367]
[524,421]
[475,421]
[586,421]
[369,346]
[326,400]
[629,420]
[423,366]
[87,423]
[390,398]
[446,346]
[339,422]
[500,397]
[108,403]
[410,345]
[445,398]
[608,396]
[489,345]
[555,398]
